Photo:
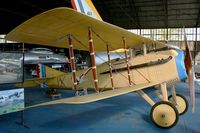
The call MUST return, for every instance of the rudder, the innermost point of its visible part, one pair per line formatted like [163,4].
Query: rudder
[86,7]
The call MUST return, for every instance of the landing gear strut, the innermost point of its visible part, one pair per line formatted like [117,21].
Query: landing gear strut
[180,102]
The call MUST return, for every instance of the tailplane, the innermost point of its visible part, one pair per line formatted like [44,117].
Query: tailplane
[86,7]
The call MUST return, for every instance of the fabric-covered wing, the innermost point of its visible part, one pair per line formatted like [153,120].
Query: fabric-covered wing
[96,96]
[52,27]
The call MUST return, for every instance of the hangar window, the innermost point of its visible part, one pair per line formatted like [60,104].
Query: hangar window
[136,31]
[170,34]
[198,34]
[2,39]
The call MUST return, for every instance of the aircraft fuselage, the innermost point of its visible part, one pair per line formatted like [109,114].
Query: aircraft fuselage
[161,66]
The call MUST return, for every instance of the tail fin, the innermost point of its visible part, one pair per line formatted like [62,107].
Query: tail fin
[86,7]
[40,71]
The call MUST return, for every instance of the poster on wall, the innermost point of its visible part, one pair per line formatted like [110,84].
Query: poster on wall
[11,101]
[11,67]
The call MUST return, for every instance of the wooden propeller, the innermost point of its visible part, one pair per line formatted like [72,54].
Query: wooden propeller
[190,72]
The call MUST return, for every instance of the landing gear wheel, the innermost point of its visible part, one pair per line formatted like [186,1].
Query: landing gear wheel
[181,105]
[164,114]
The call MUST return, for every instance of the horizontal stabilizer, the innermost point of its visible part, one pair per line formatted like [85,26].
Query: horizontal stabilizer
[50,72]
[32,82]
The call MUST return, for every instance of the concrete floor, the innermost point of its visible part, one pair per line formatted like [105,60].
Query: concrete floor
[123,114]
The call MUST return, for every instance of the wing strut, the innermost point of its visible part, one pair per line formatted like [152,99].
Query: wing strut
[127,64]
[110,66]
[92,58]
[145,49]
[73,67]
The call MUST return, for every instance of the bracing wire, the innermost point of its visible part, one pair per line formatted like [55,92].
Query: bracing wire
[100,57]
[118,54]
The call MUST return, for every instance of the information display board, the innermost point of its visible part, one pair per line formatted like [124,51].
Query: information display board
[11,100]
[11,67]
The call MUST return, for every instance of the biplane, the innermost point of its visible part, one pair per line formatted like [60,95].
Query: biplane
[82,28]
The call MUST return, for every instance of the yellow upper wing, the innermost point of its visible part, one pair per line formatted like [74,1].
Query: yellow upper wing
[52,27]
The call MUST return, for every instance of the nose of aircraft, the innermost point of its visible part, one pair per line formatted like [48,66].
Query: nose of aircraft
[181,65]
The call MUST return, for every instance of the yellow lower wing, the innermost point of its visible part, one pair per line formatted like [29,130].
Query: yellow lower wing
[97,96]
[52,27]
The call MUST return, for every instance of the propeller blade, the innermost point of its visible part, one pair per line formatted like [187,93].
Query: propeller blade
[190,73]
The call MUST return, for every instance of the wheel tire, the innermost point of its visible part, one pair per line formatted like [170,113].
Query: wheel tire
[182,103]
[164,114]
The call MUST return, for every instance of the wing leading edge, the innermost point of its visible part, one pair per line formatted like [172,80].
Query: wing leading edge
[52,27]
